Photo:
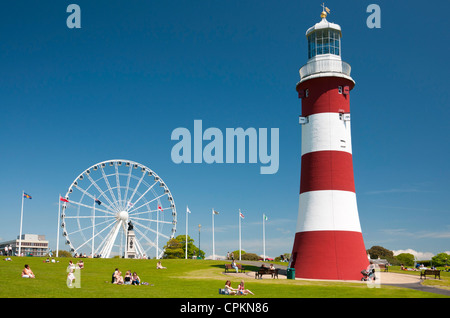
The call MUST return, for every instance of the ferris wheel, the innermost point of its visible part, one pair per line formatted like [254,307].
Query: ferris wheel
[109,198]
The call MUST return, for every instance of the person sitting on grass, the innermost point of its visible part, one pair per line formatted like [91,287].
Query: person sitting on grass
[80,264]
[119,278]
[159,266]
[228,289]
[27,272]
[71,265]
[242,290]
[113,278]
[128,278]
[135,280]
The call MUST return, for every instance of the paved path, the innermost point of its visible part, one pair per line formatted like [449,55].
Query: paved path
[386,278]
[410,281]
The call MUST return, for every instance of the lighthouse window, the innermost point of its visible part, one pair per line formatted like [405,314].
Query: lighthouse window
[319,42]
[311,45]
[326,41]
[323,42]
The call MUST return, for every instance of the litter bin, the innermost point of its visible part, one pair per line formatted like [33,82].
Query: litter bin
[291,273]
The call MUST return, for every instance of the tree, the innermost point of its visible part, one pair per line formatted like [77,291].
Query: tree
[245,256]
[441,259]
[236,254]
[282,258]
[250,257]
[406,259]
[173,249]
[192,250]
[176,248]
[380,252]
[199,253]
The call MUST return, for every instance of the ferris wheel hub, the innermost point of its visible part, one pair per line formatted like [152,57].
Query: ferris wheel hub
[123,215]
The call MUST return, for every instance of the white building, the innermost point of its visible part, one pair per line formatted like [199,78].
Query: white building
[31,245]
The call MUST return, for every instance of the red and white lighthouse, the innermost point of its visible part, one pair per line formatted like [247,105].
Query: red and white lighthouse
[328,241]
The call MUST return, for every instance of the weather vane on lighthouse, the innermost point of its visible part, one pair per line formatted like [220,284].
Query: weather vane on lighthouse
[324,14]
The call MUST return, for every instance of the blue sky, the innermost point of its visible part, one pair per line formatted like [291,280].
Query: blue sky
[137,70]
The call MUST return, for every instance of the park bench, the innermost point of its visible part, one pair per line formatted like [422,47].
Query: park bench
[266,271]
[228,267]
[424,273]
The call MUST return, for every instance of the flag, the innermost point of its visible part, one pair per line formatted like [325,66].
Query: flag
[241,215]
[63,199]
[215,212]
[160,208]
[265,217]
[26,196]
[98,201]
[130,204]
[187,209]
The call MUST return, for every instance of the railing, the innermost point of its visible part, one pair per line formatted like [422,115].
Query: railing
[321,66]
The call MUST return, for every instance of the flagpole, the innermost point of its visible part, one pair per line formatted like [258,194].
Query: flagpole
[157,232]
[264,238]
[213,233]
[186,232]
[93,229]
[57,231]
[21,217]
[239,216]
[199,228]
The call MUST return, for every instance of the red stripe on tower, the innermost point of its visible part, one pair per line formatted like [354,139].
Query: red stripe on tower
[325,96]
[327,170]
[328,243]
[337,259]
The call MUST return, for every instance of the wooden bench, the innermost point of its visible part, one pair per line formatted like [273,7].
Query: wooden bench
[228,267]
[424,273]
[266,271]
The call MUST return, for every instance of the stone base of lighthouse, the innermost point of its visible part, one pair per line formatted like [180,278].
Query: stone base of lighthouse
[333,255]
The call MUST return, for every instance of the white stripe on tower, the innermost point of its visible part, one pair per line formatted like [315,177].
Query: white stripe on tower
[326,131]
[328,210]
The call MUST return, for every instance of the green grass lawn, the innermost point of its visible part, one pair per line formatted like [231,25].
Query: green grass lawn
[181,279]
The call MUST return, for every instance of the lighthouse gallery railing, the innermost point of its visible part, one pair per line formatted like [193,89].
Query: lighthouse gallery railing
[322,66]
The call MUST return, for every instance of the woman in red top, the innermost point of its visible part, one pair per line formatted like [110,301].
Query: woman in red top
[242,290]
